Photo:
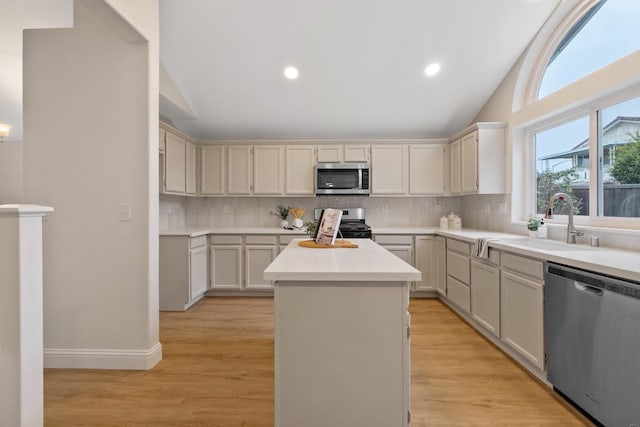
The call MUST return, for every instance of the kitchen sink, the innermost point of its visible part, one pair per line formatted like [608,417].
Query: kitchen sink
[547,245]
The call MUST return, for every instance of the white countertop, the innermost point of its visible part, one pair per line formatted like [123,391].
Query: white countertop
[200,231]
[369,262]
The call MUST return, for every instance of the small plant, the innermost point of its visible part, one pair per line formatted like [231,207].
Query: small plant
[311,227]
[534,223]
[281,212]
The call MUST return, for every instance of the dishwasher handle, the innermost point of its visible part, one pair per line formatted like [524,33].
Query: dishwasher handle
[588,288]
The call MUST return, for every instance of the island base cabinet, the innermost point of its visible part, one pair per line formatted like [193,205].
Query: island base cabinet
[342,354]
[522,316]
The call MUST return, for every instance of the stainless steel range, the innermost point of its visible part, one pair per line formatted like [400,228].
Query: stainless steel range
[352,225]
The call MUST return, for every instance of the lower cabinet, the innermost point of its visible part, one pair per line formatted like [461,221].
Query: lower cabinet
[183,271]
[424,251]
[522,316]
[440,265]
[259,252]
[226,262]
[485,296]
[458,274]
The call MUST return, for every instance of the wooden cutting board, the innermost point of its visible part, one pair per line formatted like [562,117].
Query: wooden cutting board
[338,244]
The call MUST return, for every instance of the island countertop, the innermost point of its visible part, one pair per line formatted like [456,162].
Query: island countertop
[369,262]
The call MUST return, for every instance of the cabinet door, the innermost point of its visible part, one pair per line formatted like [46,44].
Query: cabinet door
[299,162]
[226,267]
[239,170]
[329,154]
[426,169]
[257,259]
[440,261]
[469,162]
[458,266]
[268,169]
[454,167]
[197,271]
[357,153]
[521,316]
[405,253]
[191,169]
[174,170]
[424,251]
[485,296]
[161,137]
[389,169]
[212,169]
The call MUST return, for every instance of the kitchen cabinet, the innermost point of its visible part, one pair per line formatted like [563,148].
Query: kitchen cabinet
[259,252]
[299,163]
[481,167]
[239,170]
[283,241]
[175,161]
[357,153]
[440,265]
[226,262]
[329,153]
[268,169]
[190,179]
[521,311]
[424,261]
[427,169]
[400,246]
[485,294]
[454,167]
[212,169]
[389,169]
[161,137]
[183,271]
[458,274]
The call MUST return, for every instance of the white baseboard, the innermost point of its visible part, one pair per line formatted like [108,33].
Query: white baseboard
[71,358]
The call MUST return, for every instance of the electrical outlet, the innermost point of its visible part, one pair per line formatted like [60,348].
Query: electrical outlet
[502,208]
[225,209]
[385,208]
[124,212]
[487,208]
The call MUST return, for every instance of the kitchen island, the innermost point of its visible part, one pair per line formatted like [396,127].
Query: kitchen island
[342,351]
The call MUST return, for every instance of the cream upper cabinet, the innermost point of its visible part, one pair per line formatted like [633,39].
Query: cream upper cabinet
[469,163]
[481,164]
[212,169]
[426,169]
[239,169]
[389,169]
[174,158]
[299,163]
[268,169]
[357,153]
[454,167]
[329,154]
[190,183]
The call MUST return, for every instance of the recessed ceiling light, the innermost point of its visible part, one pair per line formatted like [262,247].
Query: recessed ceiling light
[291,73]
[432,69]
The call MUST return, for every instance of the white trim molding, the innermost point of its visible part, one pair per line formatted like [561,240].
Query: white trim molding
[72,358]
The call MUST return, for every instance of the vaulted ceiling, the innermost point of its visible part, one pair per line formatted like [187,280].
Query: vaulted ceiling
[361,64]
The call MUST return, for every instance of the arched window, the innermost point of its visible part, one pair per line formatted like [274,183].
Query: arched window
[607,32]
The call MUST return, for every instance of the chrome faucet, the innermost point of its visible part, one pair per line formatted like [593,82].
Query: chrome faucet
[571,229]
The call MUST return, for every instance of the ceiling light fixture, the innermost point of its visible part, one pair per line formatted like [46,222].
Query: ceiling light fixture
[291,73]
[432,69]
[4,131]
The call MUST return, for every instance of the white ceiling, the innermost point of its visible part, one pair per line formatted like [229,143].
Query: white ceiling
[361,64]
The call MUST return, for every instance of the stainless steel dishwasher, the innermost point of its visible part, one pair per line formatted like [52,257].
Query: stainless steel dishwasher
[592,342]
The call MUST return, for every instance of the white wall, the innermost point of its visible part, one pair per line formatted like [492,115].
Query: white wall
[91,108]
[10,172]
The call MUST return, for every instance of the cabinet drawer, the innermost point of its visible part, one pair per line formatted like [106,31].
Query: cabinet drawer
[520,264]
[196,242]
[458,266]
[458,246]
[260,240]
[285,240]
[458,293]
[226,240]
[394,240]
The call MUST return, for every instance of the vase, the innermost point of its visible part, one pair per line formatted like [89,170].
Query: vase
[533,234]
[284,223]
[298,223]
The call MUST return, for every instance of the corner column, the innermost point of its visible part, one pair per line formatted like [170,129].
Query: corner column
[21,336]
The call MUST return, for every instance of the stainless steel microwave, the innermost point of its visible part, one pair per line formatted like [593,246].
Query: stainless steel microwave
[342,178]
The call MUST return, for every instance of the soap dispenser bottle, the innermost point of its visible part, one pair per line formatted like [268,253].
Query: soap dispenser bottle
[542,230]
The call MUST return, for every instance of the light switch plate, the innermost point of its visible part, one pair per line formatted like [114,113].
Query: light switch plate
[124,212]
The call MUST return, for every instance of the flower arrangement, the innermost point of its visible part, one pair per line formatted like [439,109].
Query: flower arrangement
[281,212]
[534,223]
[311,227]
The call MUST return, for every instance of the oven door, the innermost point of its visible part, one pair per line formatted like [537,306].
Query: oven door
[341,178]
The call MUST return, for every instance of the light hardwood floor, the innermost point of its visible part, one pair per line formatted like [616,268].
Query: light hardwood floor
[217,370]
